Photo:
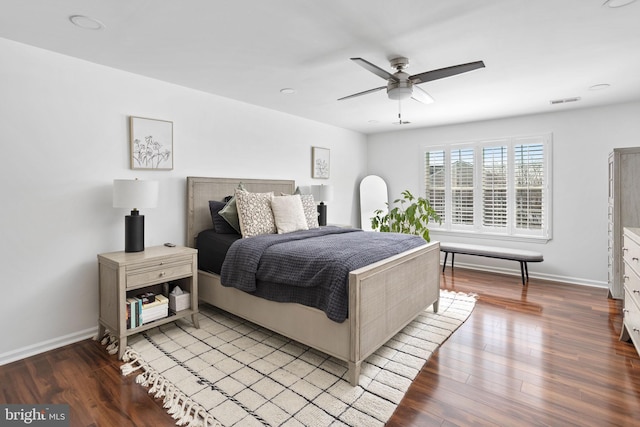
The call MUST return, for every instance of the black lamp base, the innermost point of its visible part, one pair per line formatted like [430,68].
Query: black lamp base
[134,232]
[322,214]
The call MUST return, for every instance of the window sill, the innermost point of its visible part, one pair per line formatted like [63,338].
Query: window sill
[435,233]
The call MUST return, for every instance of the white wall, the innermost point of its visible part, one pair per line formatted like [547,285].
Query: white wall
[582,140]
[64,136]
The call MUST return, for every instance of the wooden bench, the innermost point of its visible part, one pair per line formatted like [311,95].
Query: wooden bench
[522,256]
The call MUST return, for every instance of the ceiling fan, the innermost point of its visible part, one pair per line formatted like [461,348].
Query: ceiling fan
[401,85]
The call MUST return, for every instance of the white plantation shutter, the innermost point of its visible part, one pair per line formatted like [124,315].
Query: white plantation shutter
[529,186]
[462,171]
[494,186]
[497,187]
[435,180]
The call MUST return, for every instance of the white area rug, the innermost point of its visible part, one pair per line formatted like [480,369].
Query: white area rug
[231,372]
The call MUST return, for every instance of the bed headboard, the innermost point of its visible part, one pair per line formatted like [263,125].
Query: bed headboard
[200,190]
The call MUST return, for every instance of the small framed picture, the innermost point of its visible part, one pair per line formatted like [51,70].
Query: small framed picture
[151,143]
[320,162]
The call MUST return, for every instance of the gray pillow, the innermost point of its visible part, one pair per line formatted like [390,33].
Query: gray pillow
[219,223]
[230,212]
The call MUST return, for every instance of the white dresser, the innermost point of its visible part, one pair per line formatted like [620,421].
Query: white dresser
[631,311]
[624,209]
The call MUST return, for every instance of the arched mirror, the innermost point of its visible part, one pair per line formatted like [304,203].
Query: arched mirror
[373,196]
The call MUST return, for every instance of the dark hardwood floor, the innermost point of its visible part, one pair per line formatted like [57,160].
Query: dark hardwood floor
[544,354]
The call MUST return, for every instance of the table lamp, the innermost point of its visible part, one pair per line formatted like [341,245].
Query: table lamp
[322,193]
[133,194]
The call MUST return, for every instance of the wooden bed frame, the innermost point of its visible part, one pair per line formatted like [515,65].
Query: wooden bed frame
[383,297]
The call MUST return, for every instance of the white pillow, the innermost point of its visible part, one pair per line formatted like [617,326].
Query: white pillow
[310,208]
[254,213]
[288,214]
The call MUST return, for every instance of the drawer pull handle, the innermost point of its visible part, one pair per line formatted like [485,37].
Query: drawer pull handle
[624,249]
[162,274]
[635,258]
[625,311]
[636,330]
[636,291]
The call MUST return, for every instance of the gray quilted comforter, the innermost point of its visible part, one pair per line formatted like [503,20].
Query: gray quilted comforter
[309,267]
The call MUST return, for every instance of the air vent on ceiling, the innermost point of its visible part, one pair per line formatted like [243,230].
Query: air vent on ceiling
[564,100]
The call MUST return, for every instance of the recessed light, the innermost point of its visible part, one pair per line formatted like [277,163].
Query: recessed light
[86,22]
[600,86]
[287,91]
[617,3]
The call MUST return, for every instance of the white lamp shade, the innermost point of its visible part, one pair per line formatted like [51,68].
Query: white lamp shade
[322,193]
[134,193]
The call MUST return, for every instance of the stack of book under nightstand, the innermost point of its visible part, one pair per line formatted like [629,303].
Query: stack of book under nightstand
[146,308]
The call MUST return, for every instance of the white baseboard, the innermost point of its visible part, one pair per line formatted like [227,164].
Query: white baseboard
[32,350]
[516,272]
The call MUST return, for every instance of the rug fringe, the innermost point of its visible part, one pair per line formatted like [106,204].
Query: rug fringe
[183,409]
[110,341]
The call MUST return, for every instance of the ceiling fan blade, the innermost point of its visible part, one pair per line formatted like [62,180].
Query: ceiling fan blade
[362,93]
[420,95]
[374,69]
[441,73]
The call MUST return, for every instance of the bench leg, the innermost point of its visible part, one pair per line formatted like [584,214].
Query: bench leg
[445,261]
[523,267]
[453,256]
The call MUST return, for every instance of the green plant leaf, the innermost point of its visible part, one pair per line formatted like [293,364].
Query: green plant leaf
[412,219]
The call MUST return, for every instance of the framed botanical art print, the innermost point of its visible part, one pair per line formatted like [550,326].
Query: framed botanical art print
[151,143]
[320,162]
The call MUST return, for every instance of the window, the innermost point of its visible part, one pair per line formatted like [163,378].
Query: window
[497,187]
[462,186]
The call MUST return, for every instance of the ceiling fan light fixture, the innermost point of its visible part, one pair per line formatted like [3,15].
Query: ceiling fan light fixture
[400,93]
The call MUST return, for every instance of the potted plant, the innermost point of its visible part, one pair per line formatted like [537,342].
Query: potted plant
[412,219]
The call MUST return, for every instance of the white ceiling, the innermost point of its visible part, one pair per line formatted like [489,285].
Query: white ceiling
[534,51]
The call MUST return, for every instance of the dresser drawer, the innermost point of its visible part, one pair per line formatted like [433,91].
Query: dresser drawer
[631,252]
[632,281]
[144,274]
[632,318]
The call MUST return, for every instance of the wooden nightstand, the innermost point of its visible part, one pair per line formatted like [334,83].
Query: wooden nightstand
[125,274]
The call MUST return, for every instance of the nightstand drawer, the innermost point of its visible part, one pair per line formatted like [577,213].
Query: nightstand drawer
[142,275]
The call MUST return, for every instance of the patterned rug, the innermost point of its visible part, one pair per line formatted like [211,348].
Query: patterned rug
[231,372]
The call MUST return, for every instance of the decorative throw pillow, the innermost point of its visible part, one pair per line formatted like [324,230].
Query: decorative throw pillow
[230,211]
[310,210]
[220,225]
[309,207]
[254,213]
[288,214]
